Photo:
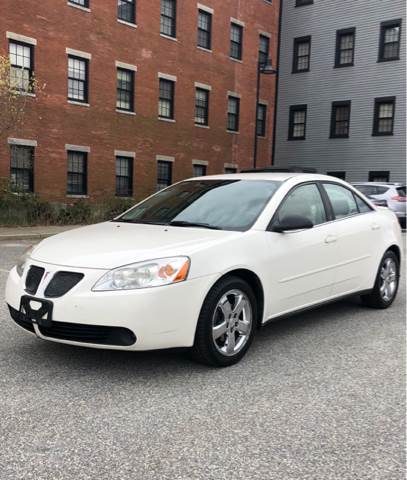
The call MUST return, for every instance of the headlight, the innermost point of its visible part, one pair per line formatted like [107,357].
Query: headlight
[23,260]
[153,273]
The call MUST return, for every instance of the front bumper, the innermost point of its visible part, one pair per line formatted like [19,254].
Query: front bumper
[160,317]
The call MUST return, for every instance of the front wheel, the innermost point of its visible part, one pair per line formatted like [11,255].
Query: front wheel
[226,324]
[387,282]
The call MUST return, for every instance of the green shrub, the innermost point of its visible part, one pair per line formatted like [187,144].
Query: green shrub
[27,209]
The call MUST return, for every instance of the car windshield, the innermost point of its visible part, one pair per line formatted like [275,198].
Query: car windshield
[216,204]
[401,191]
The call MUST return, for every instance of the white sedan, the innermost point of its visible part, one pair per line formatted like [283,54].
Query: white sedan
[207,261]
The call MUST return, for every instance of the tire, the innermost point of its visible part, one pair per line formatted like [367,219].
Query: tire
[226,324]
[384,291]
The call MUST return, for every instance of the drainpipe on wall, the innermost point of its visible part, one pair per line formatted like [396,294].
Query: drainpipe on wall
[280,21]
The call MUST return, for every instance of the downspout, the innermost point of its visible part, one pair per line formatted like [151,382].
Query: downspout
[280,22]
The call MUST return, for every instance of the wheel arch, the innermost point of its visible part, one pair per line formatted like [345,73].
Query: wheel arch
[255,283]
[396,250]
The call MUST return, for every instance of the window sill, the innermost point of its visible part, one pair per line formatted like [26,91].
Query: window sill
[201,126]
[128,24]
[300,71]
[79,7]
[170,120]
[207,50]
[233,131]
[76,196]
[81,104]
[237,60]
[378,134]
[383,60]
[24,94]
[334,137]
[173,39]
[125,112]
[344,65]
[293,139]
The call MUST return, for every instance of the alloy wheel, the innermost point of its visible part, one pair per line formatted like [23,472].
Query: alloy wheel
[388,279]
[232,322]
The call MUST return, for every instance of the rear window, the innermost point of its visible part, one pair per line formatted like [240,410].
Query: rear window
[380,190]
[401,191]
[371,189]
[365,189]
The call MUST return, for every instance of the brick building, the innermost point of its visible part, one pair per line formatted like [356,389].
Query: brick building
[139,93]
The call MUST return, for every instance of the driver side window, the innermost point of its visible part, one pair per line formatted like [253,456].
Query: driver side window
[305,201]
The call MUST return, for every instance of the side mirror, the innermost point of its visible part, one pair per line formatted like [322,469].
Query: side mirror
[291,222]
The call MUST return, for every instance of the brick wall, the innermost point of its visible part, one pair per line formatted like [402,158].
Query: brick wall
[53,122]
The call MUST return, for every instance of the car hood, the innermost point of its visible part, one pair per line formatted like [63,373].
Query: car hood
[112,244]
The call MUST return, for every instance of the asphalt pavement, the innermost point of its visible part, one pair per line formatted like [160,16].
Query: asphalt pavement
[319,396]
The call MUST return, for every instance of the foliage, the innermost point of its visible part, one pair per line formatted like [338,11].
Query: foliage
[13,96]
[27,209]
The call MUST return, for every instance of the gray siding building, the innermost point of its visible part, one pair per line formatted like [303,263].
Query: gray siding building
[341,89]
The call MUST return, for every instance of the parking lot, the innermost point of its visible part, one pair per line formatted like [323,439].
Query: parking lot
[319,396]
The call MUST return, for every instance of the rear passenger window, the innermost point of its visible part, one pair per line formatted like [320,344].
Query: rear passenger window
[342,200]
[305,201]
[380,190]
[362,205]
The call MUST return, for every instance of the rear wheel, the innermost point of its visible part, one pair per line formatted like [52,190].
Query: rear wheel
[387,282]
[226,324]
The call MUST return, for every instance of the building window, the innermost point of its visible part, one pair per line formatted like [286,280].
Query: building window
[124,176]
[204,29]
[199,170]
[78,79]
[229,170]
[233,113]
[261,120]
[383,122]
[81,3]
[379,176]
[164,174]
[166,100]
[236,41]
[345,47]
[340,119]
[264,49]
[302,54]
[298,122]
[125,90]
[341,175]
[22,169]
[168,22]
[126,10]
[300,3]
[77,173]
[21,65]
[390,34]
[201,106]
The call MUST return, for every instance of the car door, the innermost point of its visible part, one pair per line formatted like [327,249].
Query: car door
[301,262]
[358,235]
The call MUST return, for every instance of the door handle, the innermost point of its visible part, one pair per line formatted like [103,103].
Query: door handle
[375,226]
[331,239]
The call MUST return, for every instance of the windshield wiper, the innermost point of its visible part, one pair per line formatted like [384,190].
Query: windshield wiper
[144,222]
[184,223]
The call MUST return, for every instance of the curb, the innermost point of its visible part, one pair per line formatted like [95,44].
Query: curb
[26,236]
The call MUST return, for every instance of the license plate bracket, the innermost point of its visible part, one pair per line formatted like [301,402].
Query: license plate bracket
[42,316]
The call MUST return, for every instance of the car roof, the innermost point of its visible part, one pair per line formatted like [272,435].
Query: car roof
[276,176]
[379,184]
